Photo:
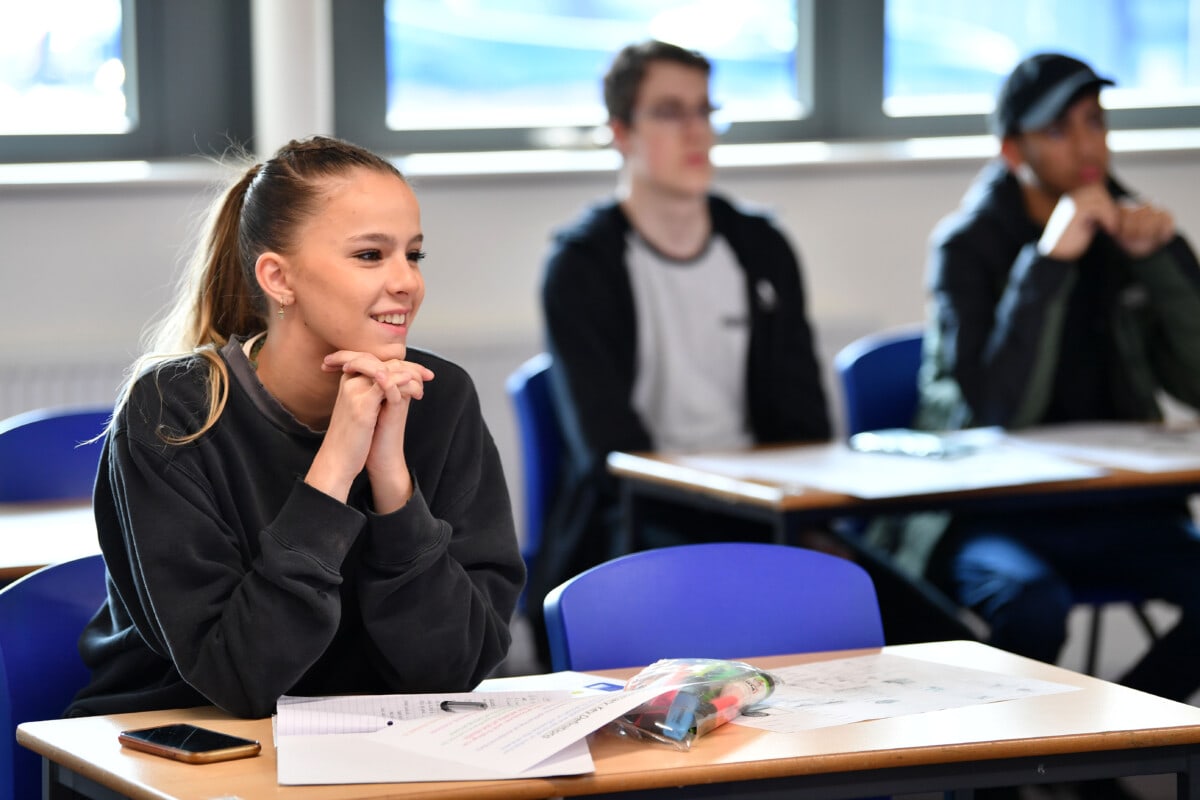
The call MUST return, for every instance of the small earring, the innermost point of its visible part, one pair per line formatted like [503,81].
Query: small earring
[282,306]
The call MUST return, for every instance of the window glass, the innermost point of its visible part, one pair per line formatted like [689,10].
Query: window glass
[63,68]
[539,63]
[949,56]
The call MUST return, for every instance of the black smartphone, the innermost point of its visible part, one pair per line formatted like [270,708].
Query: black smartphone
[189,743]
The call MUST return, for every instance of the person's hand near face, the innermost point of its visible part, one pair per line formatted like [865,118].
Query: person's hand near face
[1139,229]
[1076,218]
[1143,228]
[369,420]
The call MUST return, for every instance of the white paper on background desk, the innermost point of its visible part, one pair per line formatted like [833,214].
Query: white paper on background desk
[412,739]
[1141,447]
[873,475]
[845,690]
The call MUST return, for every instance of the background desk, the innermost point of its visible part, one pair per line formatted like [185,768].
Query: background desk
[33,535]
[1102,730]
[650,477]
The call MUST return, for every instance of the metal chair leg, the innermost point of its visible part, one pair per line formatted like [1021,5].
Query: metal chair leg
[1093,647]
[1139,611]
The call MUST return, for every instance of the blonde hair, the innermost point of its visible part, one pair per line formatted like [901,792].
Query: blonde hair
[218,296]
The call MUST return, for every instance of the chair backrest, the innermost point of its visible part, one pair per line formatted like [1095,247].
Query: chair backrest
[42,456]
[718,600]
[878,374]
[541,446]
[41,617]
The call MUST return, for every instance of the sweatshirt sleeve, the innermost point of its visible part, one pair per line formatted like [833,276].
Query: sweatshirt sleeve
[440,577]
[997,338]
[241,623]
[1170,318]
[786,393]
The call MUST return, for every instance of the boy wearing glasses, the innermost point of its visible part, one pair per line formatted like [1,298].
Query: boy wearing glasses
[1058,296]
[676,322]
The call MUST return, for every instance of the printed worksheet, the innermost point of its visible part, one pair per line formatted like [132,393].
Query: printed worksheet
[432,737]
[844,690]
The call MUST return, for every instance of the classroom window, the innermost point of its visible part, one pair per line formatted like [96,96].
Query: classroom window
[517,63]
[459,75]
[515,74]
[63,67]
[123,79]
[949,57]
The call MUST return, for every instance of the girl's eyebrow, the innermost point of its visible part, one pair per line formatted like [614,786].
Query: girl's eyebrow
[384,239]
[377,238]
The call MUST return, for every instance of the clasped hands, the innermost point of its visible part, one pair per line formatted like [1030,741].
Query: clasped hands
[1138,228]
[367,427]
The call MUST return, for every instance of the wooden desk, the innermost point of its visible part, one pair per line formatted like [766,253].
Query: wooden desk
[1102,730]
[33,535]
[651,477]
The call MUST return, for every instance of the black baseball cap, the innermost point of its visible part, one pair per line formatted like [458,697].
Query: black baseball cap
[1039,90]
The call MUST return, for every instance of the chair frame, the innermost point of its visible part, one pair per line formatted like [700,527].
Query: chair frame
[541,448]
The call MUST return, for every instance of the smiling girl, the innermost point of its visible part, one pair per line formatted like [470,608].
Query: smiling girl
[291,500]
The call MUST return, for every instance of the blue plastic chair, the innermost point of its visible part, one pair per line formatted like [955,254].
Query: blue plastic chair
[42,455]
[41,618]
[717,600]
[541,446]
[878,375]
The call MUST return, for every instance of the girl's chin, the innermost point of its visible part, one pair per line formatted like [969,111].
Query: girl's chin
[392,352]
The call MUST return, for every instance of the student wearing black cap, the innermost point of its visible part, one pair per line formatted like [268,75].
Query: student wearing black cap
[1057,295]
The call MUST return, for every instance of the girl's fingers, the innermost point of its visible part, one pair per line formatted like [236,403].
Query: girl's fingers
[367,364]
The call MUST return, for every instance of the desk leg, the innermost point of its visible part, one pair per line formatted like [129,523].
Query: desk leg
[60,783]
[785,529]
[629,519]
[1187,783]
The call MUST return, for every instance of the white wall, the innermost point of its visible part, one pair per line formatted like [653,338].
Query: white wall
[84,265]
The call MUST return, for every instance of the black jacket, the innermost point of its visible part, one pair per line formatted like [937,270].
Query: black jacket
[994,348]
[591,333]
[232,582]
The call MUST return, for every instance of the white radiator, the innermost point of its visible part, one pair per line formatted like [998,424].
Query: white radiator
[24,387]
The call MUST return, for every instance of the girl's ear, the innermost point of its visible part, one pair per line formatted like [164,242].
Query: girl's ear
[271,271]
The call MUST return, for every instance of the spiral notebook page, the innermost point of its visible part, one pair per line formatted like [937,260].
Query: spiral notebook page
[301,716]
[385,738]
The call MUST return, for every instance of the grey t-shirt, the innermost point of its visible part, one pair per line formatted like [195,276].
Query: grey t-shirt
[693,336]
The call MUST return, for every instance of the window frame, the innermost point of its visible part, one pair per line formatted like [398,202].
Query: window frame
[181,109]
[843,88]
[360,94]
